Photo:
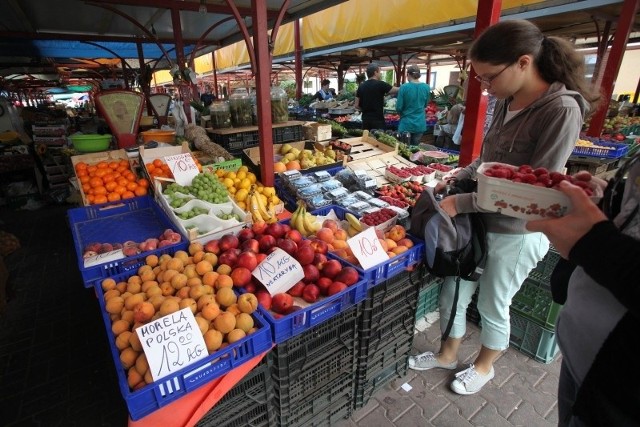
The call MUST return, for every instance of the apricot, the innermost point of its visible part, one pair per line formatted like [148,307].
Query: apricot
[194,281]
[235,335]
[244,321]
[223,269]
[247,303]
[210,278]
[142,365]
[183,256]
[196,291]
[143,312]
[190,271]
[233,309]
[168,274]
[204,300]
[224,281]
[119,326]
[153,290]
[226,297]
[197,257]
[175,264]
[167,289]
[340,234]
[183,293]
[179,281]
[168,306]
[134,378]
[108,284]
[146,285]
[204,267]
[152,260]
[128,357]
[156,301]
[121,287]
[203,324]
[325,234]
[225,322]
[148,275]
[195,247]
[111,293]
[144,268]
[208,289]
[210,311]
[189,303]
[211,258]
[133,300]
[127,315]
[114,305]
[213,340]
[134,341]
[122,340]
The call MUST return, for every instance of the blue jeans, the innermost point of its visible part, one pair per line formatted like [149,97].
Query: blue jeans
[415,138]
[510,258]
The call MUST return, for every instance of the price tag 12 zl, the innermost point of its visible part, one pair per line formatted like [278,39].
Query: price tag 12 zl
[367,248]
[171,343]
[183,167]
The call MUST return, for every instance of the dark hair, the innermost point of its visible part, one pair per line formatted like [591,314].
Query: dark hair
[414,71]
[360,78]
[555,58]
[325,82]
[371,69]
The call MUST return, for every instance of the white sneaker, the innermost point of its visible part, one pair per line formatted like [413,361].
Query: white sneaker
[470,381]
[428,360]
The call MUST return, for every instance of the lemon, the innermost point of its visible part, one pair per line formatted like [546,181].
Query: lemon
[245,183]
[241,175]
[231,175]
[242,205]
[236,182]
[275,200]
[232,190]
[243,169]
[220,173]
[228,182]
[241,195]
[269,191]
[252,177]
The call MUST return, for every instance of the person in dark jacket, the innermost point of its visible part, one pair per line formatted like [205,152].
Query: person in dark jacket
[370,98]
[599,384]
[325,93]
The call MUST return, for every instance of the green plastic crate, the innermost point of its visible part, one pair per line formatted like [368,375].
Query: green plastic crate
[532,339]
[542,271]
[534,302]
[428,296]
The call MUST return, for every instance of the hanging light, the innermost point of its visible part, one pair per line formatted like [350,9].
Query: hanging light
[203,7]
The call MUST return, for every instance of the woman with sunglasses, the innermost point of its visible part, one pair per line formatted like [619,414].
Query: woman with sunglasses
[599,384]
[543,98]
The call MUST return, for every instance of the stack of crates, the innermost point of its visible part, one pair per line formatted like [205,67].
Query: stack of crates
[314,373]
[386,331]
[428,295]
[249,403]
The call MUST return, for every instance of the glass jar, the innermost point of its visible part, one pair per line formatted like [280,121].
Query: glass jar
[279,105]
[220,115]
[240,108]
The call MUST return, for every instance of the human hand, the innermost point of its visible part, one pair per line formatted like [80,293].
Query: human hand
[565,231]
[448,204]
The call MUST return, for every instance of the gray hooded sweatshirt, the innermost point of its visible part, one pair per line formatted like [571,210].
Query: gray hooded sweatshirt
[541,135]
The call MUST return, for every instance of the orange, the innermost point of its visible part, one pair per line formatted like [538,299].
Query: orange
[122,169]
[101,172]
[150,167]
[114,164]
[130,176]
[108,178]
[143,182]
[100,190]
[91,169]
[86,188]
[122,181]
[124,162]
[82,172]
[120,189]
[102,165]
[128,195]
[81,166]
[95,182]
[140,191]
[113,197]
[110,186]
[84,179]
[158,163]
[132,186]
[90,198]
[101,198]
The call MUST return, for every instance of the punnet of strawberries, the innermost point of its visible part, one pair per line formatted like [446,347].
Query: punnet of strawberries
[540,177]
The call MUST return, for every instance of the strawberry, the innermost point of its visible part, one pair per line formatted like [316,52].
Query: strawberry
[529,178]
[525,169]
[540,171]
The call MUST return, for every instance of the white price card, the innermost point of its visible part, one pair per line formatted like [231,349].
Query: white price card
[103,257]
[278,272]
[367,248]
[183,167]
[171,343]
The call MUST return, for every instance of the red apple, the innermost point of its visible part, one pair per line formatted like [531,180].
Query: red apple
[304,242]
[259,227]
[229,258]
[347,275]
[324,283]
[228,241]
[286,228]
[294,235]
[212,246]
[250,287]
[241,276]
[304,255]
[287,245]
[336,288]
[245,234]
[310,293]
[296,290]
[260,257]
[281,302]
[266,242]
[311,273]
[264,299]
[331,268]
[276,230]
[250,245]
[247,260]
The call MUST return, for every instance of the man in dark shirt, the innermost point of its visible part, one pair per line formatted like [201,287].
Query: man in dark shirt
[370,98]
[208,97]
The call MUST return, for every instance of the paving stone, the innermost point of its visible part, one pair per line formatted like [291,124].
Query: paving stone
[393,402]
[432,403]
[542,402]
[362,412]
[505,401]
[451,416]
[526,415]
[375,418]
[412,418]
[488,416]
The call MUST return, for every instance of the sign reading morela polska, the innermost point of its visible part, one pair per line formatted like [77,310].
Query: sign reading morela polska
[171,343]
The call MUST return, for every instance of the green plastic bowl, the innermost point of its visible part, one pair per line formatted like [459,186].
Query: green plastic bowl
[90,142]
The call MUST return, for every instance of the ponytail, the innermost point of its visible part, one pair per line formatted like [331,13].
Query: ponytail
[557,60]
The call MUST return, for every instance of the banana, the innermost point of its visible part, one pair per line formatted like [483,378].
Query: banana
[300,222]
[353,222]
[310,223]
[255,209]
[352,231]
[263,210]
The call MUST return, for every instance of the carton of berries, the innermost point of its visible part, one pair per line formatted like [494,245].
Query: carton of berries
[526,192]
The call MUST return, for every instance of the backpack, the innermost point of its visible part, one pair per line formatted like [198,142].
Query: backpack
[454,246]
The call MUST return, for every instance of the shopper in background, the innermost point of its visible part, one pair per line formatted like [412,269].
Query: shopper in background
[413,98]
[325,93]
[370,98]
[599,384]
[542,100]
[207,97]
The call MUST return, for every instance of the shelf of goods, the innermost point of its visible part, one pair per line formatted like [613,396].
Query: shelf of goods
[234,140]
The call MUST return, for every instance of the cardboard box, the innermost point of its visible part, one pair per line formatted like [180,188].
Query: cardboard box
[147,156]
[251,157]
[317,131]
[94,158]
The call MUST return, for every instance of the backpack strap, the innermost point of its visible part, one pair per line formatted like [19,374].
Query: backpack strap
[454,310]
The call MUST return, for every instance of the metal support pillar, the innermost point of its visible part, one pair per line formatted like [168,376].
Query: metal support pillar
[476,106]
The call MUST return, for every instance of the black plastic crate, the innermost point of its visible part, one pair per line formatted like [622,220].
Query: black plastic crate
[313,359]
[249,403]
[428,295]
[369,366]
[325,407]
[287,134]
[377,338]
[379,372]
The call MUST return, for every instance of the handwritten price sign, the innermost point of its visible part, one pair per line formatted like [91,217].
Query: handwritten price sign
[171,343]
[367,248]
[183,167]
[278,272]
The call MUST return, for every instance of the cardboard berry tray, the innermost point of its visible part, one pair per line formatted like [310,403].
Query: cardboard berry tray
[520,200]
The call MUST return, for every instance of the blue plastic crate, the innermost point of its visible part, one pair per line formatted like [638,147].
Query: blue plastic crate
[606,150]
[134,219]
[160,393]
[290,325]
[387,269]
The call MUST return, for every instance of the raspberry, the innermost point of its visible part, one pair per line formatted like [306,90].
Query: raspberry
[529,178]
[525,169]
[540,171]
[557,177]
[500,173]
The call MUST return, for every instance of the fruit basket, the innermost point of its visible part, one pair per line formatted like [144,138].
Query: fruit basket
[134,220]
[520,199]
[157,394]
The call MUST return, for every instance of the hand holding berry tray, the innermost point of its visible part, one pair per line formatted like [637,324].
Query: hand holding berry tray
[526,192]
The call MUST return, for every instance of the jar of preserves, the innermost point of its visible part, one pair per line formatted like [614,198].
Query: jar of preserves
[240,108]
[220,115]
[279,107]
